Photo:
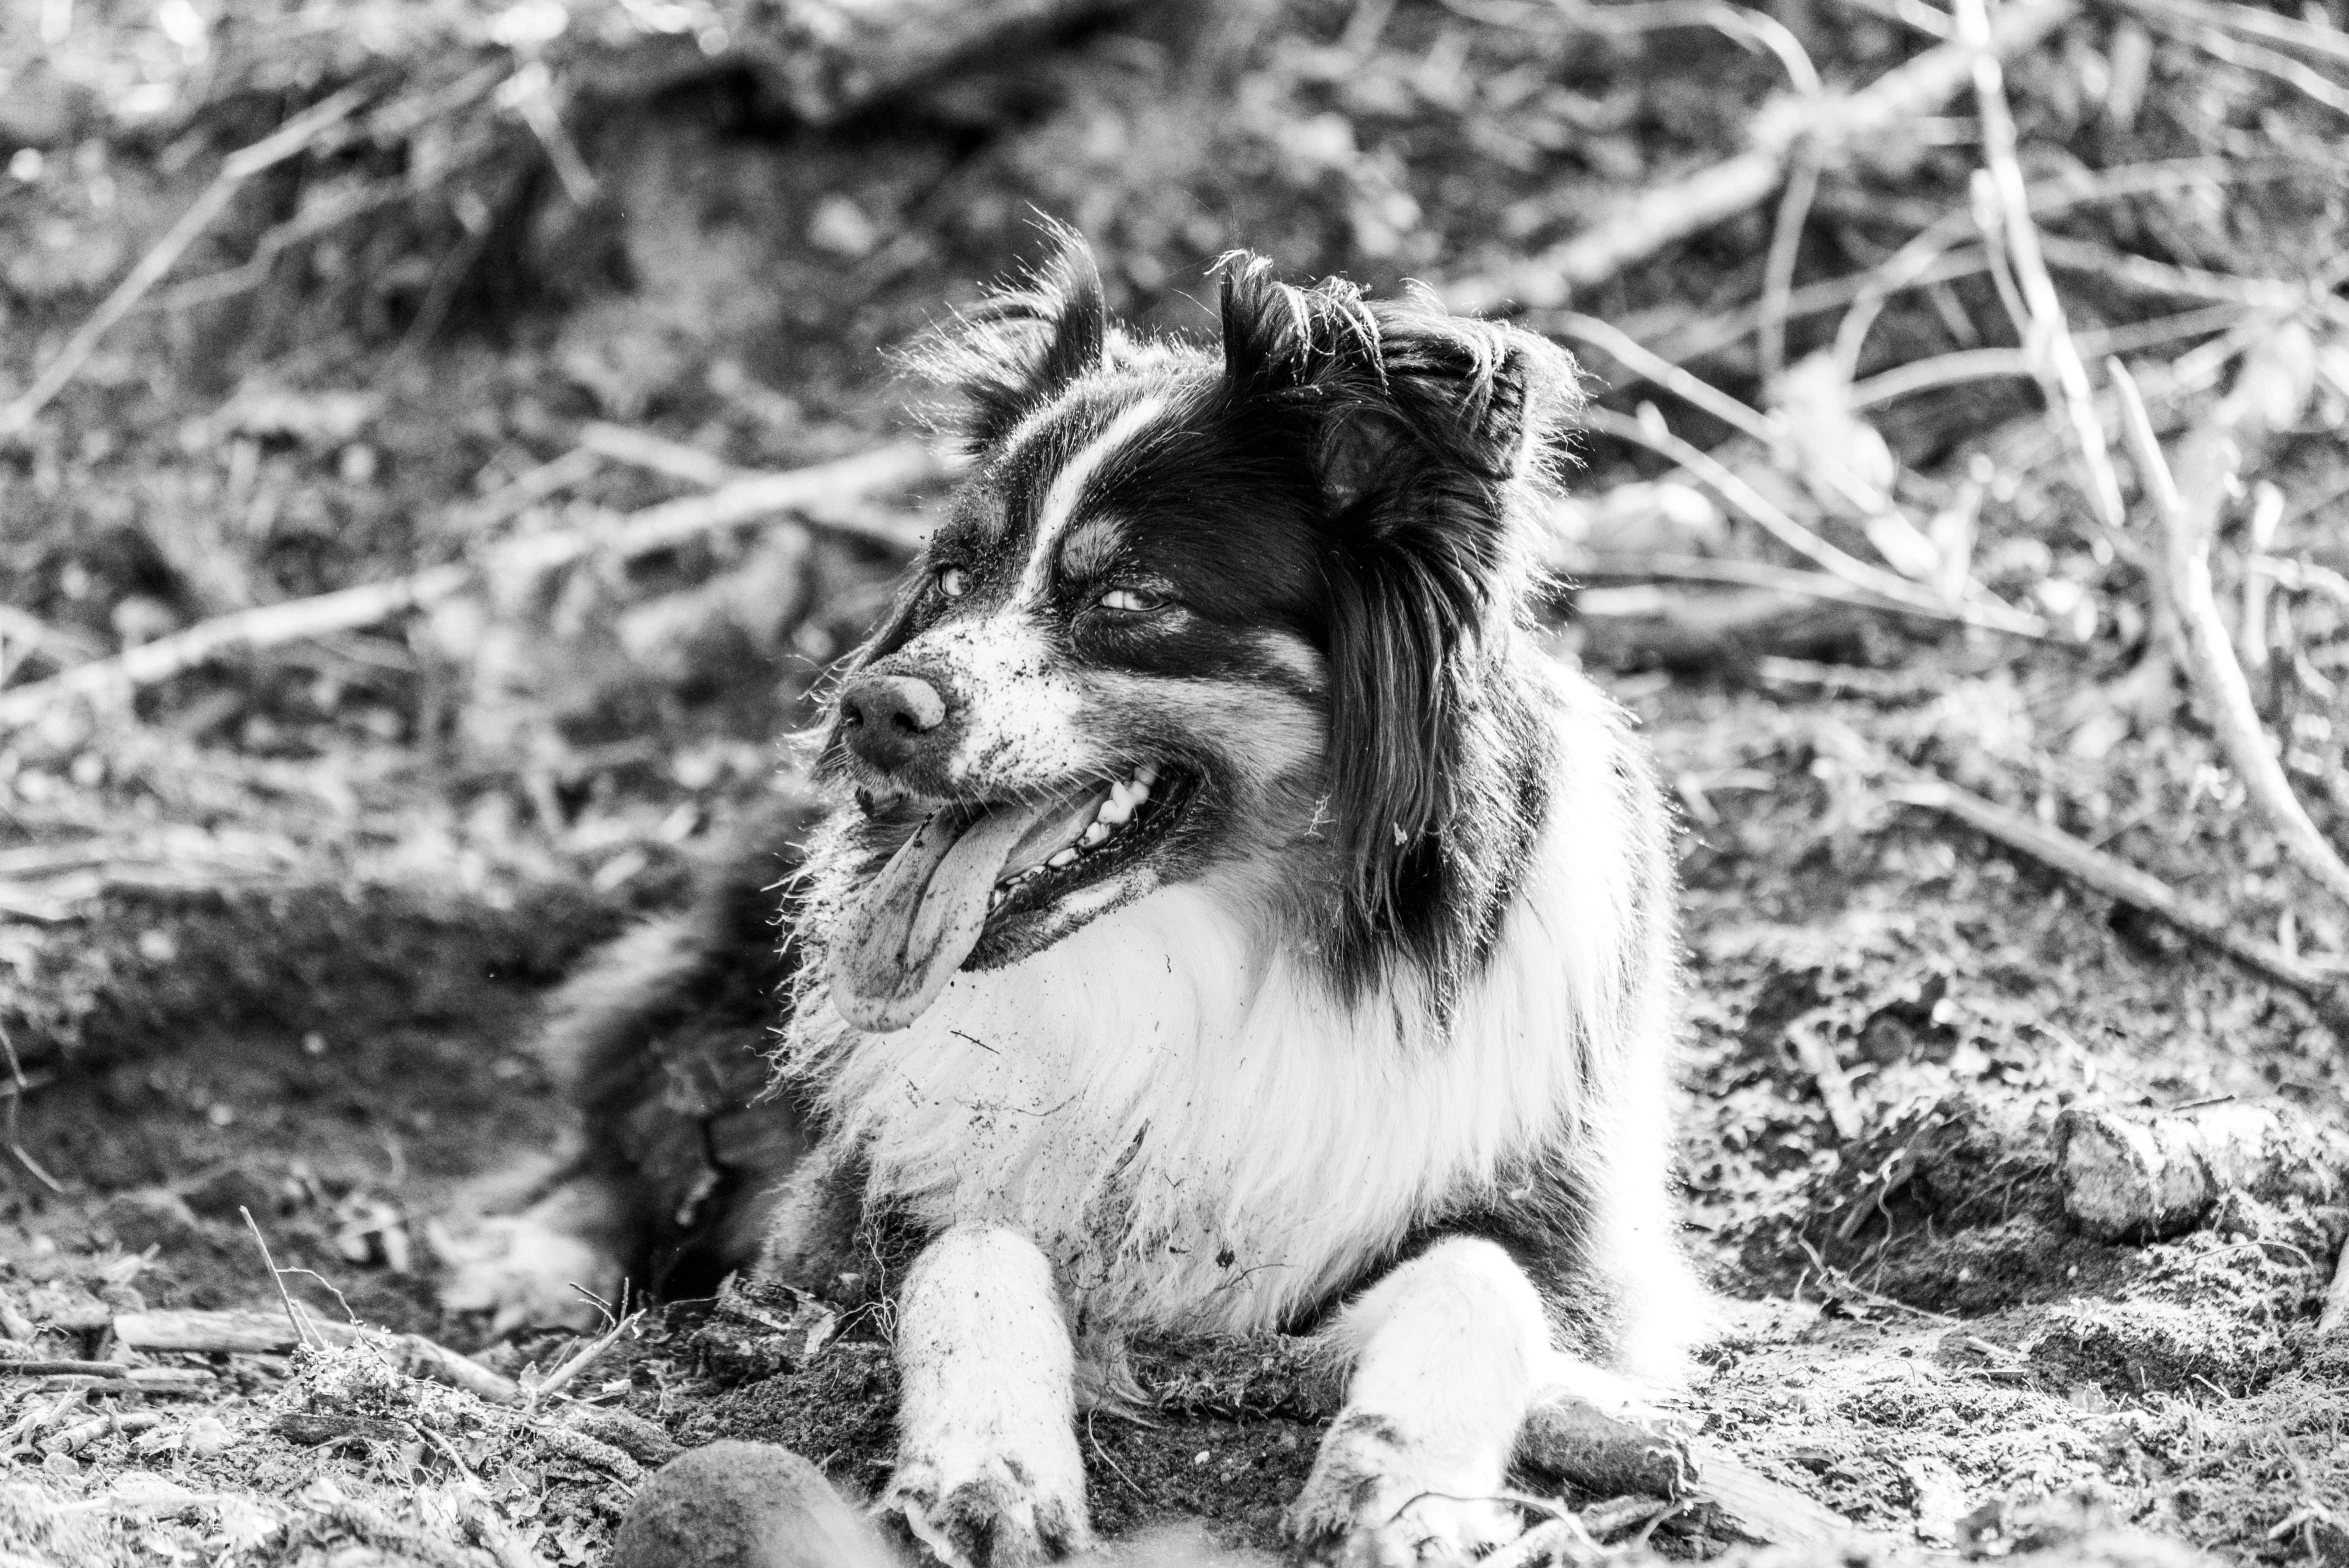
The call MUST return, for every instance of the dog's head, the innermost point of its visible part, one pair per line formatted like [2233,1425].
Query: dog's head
[1194,615]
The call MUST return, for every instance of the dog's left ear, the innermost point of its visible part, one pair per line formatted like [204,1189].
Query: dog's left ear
[1432,440]
[1413,418]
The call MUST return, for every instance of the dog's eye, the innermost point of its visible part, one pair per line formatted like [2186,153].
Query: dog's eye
[1132,599]
[953,582]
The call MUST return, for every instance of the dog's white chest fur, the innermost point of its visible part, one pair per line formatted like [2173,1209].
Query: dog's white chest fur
[1194,1133]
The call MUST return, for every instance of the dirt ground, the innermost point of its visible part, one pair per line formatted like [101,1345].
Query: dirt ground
[273,933]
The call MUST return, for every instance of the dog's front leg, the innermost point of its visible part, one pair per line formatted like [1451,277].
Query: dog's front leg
[1447,1351]
[988,1473]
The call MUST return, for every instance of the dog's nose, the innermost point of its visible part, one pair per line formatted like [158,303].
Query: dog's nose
[885,717]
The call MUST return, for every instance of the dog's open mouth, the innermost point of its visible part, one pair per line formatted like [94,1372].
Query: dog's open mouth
[973,870]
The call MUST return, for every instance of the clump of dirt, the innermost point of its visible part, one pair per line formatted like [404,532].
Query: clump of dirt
[2144,1347]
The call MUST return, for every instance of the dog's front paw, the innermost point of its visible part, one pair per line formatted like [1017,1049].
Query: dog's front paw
[1377,1499]
[526,1273]
[979,1506]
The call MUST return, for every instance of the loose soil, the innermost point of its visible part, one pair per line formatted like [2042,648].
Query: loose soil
[288,922]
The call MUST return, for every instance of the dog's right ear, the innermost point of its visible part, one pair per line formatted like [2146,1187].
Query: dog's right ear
[1003,357]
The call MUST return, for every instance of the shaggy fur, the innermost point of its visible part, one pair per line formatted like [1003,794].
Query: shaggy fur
[1357,986]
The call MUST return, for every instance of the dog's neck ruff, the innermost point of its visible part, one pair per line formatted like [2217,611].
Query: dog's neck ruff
[1175,1107]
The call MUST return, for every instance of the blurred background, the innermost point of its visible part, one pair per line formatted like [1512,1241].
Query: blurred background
[444,445]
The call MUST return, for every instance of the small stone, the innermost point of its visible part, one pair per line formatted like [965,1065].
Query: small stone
[744,1505]
[150,1217]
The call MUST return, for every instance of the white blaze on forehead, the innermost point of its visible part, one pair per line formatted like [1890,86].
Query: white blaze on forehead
[1068,488]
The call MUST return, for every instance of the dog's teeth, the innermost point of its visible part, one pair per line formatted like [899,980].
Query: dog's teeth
[1095,833]
[1067,857]
[1146,775]
[1116,808]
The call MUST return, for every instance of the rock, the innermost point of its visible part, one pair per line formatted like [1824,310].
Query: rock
[745,1505]
[150,1217]
[222,1193]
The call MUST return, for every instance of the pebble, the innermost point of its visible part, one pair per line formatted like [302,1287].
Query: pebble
[744,1505]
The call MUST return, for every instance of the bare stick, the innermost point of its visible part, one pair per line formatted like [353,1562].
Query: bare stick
[2323,41]
[1728,570]
[276,1276]
[644,449]
[2273,387]
[1924,18]
[2163,277]
[287,141]
[1667,213]
[818,492]
[1855,492]
[258,1333]
[1786,239]
[2050,339]
[1923,258]
[1984,364]
[1716,477]
[2219,45]
[18,1087]
[563,1375]
[2117,879]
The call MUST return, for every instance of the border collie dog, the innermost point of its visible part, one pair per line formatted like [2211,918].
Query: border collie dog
[1241,924]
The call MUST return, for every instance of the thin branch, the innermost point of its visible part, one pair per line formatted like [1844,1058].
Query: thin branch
[563,1375]
[1987,364]
[1664,214]
[2324,41]
[18,1087]
[647,450]
[1921,259]
[1863,497]
[2118,880]
[2298,75]
[2049,339]
[2164,277]
[276,1278]
[2273,387]
[1717,477]
[1926,19]
[1786,239]
[287,141]
[1727,571]
[823,494]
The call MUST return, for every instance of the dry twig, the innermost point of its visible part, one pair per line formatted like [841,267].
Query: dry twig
[2117,879]
[287,141]
[1892,591]
[256,1333]
[644,449]
[2274,386]
[2049,340]
[1925,257]
[1674,211]
[824,494]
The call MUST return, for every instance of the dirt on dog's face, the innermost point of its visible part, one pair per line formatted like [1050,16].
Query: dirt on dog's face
[1106,677]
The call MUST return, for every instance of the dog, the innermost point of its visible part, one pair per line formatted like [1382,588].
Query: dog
[1216,913]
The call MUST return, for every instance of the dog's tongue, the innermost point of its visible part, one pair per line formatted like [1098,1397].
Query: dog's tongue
[920,918]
